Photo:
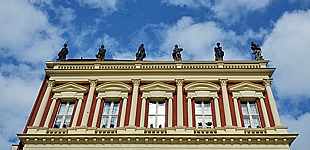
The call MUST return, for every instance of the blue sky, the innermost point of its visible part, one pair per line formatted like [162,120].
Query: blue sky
[33,31]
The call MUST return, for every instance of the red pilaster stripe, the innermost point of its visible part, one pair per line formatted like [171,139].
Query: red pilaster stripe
[260,112]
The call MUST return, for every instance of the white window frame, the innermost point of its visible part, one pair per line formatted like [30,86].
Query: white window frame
[203,113]
[110,115]
[250,115]
[65,115]
[156,115]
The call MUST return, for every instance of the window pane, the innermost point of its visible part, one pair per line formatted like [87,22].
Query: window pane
[58,121]
[151,120]
[253,108]
[244,109]
[67,121]
[247,122]
[62,108]
[104,121]
[199,120]
[207,119]
[115,108]
[198,108]
[152,108]
[207,108]
[70,109]
[106,109]
[113,122]
[161,108]
[160,121]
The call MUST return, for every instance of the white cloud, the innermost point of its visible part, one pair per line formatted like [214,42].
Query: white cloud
[189,3]
[301,126]
[14,107]
[26,34]
[228,10]
[199,39]
[27,40]
[107,6]
[288,48]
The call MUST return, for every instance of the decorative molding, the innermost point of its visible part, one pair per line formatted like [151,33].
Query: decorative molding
[113,86]
[113,90]
[136,82]
[202,86]
[70,87]
[246,86]
[223,82]
[157,86]
[179,82]
[93,82]
[267,82]
[50,83]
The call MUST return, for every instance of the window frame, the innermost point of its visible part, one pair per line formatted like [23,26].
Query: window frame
[156,115]
[65,115]
[110,115]
[203,114]
[250,115]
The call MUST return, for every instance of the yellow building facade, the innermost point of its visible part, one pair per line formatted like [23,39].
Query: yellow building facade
[167,105]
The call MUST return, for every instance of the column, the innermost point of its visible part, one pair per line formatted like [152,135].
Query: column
[142,116]
[235,99]
[123,113]
[96,113]
[179,83]
[77,112]
[89,102]
[223,83]
[50,112]
[169,111]
[265,115]
[50,84]
[190,112]
[273,106]
[217,112]
[133,109]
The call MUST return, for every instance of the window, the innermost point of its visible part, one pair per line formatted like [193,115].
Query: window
[250,114]
[63,115]
[156,117]
[203,114]
[110,114]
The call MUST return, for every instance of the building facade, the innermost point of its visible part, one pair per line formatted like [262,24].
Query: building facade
[89,104]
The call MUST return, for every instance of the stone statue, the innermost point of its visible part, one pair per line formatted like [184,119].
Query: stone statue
[257,51]
[101,54]
[219,53]
[141,53]
[63,53]
[176,54]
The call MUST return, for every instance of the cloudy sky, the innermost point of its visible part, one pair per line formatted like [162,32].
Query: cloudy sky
[33,31]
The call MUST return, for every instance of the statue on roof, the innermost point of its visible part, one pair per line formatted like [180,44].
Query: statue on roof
[101,54]
[141,53]
[257,51]
[219,53]
[63,53]
[176,54]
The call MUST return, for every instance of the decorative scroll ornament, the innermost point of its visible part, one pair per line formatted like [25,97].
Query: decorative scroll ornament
[50,83]
[136,82]
[267,82]
[93,82]
[223,82]
[179,82]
